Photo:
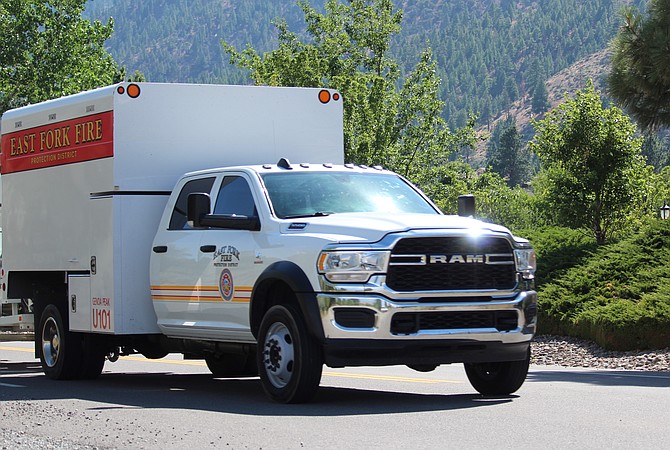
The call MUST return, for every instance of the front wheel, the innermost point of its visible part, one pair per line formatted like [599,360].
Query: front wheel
[497,378]
[289,360]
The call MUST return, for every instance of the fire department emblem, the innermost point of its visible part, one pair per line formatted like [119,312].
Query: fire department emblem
[226,287]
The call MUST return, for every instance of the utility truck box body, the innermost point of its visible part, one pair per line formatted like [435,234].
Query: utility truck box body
[86,179]
[154,218]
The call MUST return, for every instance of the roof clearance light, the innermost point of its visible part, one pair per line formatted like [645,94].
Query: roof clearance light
[324,96]
[133,91]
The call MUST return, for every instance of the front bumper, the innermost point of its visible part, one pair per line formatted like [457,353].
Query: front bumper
[374,328]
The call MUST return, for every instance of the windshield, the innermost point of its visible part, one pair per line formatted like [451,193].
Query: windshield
[303,194]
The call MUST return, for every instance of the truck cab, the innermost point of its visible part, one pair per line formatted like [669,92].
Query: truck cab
[370,266]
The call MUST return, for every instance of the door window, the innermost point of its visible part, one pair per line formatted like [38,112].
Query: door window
[178,219]
[235,198]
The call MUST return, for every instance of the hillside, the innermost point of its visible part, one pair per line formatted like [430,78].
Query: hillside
[566,82]
[491,53]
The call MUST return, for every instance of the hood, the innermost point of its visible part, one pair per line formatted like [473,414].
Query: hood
[372,227]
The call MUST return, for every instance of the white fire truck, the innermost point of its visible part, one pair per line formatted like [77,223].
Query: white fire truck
[221,222]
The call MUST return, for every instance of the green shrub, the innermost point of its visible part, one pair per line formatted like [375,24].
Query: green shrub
[619,297]
[558,249]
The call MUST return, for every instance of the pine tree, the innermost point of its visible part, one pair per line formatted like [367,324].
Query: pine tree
[540,102]
[507,155]
[640,75]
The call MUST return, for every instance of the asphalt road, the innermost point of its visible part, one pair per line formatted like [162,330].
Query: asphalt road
[172,403]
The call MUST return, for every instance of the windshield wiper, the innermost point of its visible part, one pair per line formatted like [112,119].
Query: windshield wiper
[316,214]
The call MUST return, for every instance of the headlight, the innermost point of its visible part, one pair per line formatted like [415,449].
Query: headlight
[352,266]
[525,262]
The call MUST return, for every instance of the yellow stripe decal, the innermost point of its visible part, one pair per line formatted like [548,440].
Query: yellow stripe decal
[181,294]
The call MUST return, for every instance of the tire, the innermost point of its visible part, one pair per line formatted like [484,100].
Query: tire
[92,358]
[422,367]
[231,365]
[151,350]
[61,350]
[498,378]
[289,360]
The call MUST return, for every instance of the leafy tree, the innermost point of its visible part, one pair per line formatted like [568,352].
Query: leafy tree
[592,173]
[514,208]
[640,75]
[386,120]
[48,50]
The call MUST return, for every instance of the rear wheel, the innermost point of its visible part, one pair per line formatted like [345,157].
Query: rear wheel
[60,349]
[498,378]
[422,367]
[66,355]
[151,350]
[290,361]
[92,357]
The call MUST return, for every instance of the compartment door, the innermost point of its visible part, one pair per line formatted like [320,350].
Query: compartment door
[79,302]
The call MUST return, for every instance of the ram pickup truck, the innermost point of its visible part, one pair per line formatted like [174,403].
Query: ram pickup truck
[268,257]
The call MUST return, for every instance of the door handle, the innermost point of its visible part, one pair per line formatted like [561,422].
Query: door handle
[160,249]
[208,248]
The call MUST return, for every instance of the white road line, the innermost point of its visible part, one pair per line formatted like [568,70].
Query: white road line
[12,385]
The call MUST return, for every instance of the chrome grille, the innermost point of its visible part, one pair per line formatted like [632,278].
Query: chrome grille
[452,263]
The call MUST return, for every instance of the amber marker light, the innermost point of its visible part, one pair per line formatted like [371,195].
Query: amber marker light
[133,91]
[121,90]
[324,96]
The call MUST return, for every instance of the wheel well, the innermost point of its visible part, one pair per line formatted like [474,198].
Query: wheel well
[284,282]
[266,295]
[45,288]
[42,287]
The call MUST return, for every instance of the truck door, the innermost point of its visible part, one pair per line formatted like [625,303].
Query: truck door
[178,267]
[231,256]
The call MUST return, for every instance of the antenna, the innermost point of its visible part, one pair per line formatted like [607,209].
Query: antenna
[284,164]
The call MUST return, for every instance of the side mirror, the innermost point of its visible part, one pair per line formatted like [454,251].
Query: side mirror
[198,215]
[466,205]
[199,205]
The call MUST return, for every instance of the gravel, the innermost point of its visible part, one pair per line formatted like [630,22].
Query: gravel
[19,440]
[573,352]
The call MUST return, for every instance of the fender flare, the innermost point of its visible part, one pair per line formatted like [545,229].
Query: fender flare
[295,278]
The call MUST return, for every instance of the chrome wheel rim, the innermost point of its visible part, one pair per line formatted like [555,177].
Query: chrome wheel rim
[278,355]
[50,342]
